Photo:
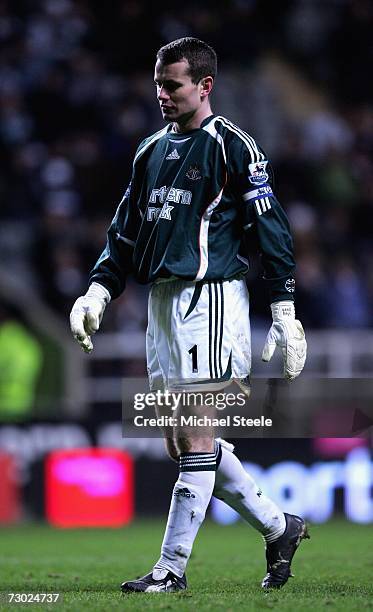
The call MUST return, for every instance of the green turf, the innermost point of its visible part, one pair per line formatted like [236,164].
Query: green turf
[333,570]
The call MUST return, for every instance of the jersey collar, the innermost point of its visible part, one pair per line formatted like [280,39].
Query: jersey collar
[181,135]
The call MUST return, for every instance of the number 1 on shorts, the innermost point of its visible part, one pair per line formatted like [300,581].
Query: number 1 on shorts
[193,352]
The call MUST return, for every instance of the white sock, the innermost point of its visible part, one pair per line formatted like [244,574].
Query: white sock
[237,488]
[191,496]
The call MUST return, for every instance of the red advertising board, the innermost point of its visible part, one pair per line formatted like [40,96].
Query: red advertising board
[90,487]
[9,490]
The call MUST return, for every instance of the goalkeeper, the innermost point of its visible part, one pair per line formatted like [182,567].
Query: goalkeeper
[201,189]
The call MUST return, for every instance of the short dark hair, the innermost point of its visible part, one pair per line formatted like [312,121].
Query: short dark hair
[201,57]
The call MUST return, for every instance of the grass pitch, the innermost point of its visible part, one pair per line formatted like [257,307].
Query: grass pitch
[333,570]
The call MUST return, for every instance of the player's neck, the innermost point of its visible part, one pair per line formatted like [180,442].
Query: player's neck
[194,121]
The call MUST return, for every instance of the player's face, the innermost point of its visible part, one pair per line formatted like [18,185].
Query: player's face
[179,98]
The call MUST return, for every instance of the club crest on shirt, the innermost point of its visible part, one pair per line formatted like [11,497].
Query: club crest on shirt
[194,173]
[257,173]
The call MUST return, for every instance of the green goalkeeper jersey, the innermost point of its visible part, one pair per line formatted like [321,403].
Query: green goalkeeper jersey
[195,201]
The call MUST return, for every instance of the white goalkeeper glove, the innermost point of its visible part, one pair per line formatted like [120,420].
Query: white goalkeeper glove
[87,313]
[287,333]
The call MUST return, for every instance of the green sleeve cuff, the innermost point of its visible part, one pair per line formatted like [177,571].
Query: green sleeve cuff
[281,288]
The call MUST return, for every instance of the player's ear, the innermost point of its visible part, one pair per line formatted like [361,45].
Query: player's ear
[206,86]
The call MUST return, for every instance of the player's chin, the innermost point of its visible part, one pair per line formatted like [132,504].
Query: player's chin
[168,114]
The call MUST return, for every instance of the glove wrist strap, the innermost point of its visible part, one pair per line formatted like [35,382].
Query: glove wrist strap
[282,310]
[98,291]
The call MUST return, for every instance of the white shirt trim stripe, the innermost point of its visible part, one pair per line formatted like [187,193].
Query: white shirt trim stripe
[156,136]
[262,205]
[126,240]
[255,154]
[246,135]
[247,143]
[243,259]
[211,129]
[245,227]
[180,141]
[203,236]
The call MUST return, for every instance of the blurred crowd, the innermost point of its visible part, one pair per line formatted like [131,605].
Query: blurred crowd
[77,96]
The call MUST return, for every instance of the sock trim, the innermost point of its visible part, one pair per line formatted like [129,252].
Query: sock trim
[198,462]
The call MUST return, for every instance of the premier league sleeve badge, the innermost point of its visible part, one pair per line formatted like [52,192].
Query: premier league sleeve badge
[257,173]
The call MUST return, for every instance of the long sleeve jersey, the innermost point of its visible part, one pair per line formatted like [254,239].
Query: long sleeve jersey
[194,201]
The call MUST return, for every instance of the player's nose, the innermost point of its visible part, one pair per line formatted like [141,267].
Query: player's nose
[162,94]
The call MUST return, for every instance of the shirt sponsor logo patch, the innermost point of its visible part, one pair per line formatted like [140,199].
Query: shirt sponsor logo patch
[257,173]
[179,196]
[153,213]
